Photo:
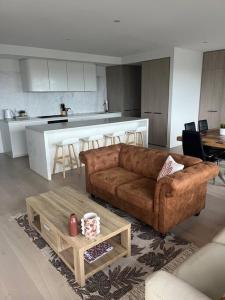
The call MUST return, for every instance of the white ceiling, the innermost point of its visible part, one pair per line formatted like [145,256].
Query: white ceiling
[145,24]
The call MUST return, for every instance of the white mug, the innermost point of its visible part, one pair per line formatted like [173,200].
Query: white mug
[90,225]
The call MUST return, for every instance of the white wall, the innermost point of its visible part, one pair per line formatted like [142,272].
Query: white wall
[37,104]
[185,91]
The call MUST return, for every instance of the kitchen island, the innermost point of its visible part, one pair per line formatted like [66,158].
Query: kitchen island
[42,139]
[14,134]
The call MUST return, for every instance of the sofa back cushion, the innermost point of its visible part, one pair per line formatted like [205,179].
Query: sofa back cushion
[148,162]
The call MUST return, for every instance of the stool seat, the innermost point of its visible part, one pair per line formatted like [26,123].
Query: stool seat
[91,141]
[92,138]
[68,156]
[138,129]
[136,135]
[115,134]
[141,129]
[70,141]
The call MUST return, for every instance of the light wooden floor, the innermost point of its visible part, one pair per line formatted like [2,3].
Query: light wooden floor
[24,272]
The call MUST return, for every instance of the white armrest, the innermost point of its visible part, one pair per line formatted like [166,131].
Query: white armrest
[165,286]
[220,238]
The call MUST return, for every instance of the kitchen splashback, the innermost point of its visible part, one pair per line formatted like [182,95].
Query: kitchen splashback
[37,104]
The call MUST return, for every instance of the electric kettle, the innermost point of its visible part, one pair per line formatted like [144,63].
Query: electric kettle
[8,114]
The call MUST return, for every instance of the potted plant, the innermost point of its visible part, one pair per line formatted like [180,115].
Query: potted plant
[222,129]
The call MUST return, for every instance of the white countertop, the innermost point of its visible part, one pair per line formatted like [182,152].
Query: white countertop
[78,117]
[49,128]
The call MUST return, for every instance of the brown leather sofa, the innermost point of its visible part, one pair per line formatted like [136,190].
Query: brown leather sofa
[125,176]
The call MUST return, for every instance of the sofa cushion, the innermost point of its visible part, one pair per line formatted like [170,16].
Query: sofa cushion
[110,179]
[148,162]
[139,192]
[205,270]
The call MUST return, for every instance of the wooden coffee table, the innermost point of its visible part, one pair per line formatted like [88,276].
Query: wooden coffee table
[48,213]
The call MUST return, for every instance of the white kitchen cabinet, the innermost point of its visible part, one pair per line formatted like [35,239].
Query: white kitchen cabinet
[14,136]
[75,76]
[34,73]
[57,75]
[42,75]
[90,79]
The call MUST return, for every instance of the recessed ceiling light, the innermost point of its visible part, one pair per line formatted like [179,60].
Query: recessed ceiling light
[116,21]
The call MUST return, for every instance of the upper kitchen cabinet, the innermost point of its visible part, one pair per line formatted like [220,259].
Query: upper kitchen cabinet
[75,73]
[42,75]
[124,89]
[57,75]
[90,79]
[34,74]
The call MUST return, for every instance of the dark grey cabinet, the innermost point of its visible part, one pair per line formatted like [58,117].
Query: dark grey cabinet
[212,102]
[155,98]
[124,89]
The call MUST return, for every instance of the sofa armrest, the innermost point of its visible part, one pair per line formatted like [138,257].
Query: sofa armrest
[220,238]
[181,195]
[165,286]
[189,178]
[100,159]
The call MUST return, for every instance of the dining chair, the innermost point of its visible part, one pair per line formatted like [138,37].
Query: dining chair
[192,146]
[203,125]
[190,126]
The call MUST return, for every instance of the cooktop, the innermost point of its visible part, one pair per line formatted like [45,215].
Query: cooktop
[51,116]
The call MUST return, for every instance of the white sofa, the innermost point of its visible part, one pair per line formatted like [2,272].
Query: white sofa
[201,277]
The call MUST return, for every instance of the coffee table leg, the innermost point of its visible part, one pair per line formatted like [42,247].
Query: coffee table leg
[79,266]
[126,240]
[29,214]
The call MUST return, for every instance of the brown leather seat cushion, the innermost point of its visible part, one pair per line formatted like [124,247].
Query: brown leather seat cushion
[110,179]
[139,192]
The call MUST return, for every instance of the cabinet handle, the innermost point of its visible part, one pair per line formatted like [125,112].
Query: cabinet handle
[46,227]
[147,112]
[212,110]
[131,109]
[158,113]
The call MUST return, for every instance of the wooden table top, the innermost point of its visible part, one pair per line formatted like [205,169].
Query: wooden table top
[56,206]
[211,138]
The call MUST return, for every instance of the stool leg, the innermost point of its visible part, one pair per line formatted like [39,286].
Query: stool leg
[76,160]
[55,159]
[83,145]
[93,144]
[135,138]
[119,139]
[63,163]
[142,139]
[70,156]
[98,143]
[127,139]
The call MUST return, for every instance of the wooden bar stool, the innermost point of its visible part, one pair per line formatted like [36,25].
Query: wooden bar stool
[92,142]
[113,136]
[136,136]
[66,158]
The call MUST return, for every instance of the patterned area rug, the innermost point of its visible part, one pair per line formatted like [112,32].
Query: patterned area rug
[151,251]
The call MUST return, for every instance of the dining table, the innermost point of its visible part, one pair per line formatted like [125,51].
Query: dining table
[212,138]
